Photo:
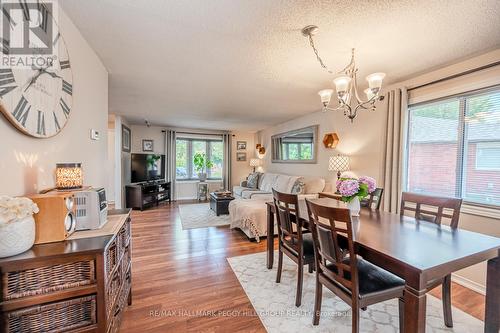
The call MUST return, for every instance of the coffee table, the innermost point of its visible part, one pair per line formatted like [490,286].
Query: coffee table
[219,203]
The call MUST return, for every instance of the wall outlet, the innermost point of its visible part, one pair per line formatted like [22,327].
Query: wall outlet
[94,135]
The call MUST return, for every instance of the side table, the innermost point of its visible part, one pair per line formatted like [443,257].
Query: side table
[202,191]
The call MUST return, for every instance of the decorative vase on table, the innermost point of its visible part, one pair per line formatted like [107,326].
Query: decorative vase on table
[354,206]
[202,176]
[17,225]
[353,189]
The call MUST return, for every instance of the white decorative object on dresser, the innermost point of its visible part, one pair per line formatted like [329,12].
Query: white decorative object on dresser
[91,208]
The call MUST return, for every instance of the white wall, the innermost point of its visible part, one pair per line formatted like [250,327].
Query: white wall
[240,170]
[362,141]
[27,164]
[110,189]
[141,132]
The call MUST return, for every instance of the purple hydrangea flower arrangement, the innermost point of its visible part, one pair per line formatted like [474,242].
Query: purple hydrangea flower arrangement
[350,188]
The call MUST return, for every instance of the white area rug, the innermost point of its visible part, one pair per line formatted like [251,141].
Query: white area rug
[275,303]
[201,216]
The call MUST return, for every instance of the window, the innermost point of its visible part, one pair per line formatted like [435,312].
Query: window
[297,151]
[453,147]
[186,148]
[488,156]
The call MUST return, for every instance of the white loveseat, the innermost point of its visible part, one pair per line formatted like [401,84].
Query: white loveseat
[248,211]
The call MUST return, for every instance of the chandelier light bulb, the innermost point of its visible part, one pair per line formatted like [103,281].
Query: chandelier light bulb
[326,95]
[375,80]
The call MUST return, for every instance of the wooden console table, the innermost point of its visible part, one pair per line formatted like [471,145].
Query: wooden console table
[82,284]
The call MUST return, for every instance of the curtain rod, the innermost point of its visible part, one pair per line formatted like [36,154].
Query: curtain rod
[470,71]
[194,133]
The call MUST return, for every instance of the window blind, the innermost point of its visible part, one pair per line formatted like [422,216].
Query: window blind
[453,147]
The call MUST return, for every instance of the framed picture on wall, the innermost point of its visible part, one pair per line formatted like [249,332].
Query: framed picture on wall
[241,145]
[126,139]
[241,157]
[147,145]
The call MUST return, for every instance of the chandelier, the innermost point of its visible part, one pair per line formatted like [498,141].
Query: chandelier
[346,85]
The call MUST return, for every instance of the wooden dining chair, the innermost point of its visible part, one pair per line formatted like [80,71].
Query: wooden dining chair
[292,239]
[356,281]
[434,209]
[373,200]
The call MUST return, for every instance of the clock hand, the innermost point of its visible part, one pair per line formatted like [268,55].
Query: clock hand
[33,80]
[54,75]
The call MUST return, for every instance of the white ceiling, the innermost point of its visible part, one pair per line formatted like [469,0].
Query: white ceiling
[244,65]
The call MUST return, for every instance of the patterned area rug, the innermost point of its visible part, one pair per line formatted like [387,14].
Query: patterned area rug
[275,303]
[201,216]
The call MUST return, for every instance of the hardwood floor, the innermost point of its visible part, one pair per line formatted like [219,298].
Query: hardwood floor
[182,281]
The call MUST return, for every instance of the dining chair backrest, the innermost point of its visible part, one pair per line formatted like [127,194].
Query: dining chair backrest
[289,226]
[332,234]
[430,208]
[374,199]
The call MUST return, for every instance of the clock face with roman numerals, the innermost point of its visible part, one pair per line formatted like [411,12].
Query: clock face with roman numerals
[37,100]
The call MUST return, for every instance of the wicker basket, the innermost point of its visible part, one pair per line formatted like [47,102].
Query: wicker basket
[43,280]
[54,317]
[111,258]
[112,290]
[125,234]
[120,304]
[125,264]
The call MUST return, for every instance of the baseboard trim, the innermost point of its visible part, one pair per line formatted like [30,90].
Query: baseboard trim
[477,287]
[187,198]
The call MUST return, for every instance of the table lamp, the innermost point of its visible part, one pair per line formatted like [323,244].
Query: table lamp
[339,163]
[69,176]
[254,162]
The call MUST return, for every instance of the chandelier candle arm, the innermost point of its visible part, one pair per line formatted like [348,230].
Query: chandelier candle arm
[346,85]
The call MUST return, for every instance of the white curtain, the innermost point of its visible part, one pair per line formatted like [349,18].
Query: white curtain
[226,169]
[170,137]
[394,143]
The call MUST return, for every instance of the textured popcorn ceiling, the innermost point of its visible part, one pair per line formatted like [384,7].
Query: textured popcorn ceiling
[244,65]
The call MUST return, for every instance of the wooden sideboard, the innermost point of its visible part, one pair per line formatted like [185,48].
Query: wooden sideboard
[82,284]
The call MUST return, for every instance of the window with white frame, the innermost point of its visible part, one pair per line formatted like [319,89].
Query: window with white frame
[453,147]
[186,148]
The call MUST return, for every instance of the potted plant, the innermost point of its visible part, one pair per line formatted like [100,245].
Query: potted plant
[201,165]
[17,226]
[353,189]
[152,167]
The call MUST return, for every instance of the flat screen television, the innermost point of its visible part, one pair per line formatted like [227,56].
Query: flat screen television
[147,167]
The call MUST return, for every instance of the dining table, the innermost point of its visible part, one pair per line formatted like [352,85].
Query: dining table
[418,252]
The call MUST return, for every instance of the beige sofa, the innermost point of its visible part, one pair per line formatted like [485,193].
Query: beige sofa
[248,211]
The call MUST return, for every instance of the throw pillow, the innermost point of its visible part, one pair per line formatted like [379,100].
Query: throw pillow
[298,187]
[253,180]
[314,185]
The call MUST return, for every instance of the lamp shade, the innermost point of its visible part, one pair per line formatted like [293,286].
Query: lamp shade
[342,84]
[338,163]
[375,80]
[254,162]
[369,93]
[69,176]
[326,95]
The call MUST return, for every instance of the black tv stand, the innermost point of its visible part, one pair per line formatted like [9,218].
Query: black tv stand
[148,194]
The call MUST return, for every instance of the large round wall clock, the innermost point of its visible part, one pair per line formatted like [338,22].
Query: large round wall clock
[37,99]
